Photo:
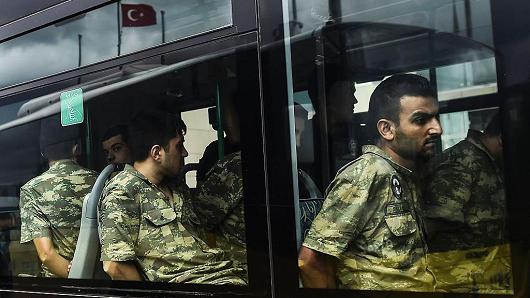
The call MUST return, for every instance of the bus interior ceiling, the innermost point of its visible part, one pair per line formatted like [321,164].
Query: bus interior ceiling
[374,50]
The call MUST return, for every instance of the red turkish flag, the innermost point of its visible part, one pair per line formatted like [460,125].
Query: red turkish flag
[138,15]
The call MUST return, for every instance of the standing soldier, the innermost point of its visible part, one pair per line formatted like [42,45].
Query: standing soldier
[465,210]
[51,204]
[369,233]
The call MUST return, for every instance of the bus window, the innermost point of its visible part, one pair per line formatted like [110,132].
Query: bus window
[197,228]
[397,179]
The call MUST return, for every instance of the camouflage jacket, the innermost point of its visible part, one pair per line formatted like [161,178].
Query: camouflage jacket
[51,204]
[465,188]
[138,223]
[370,223]
[219,205]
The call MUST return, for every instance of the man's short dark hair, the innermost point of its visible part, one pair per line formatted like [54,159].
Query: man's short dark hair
[494,126]
[151,128]
[385,102]
[57,141]
[333,74]
[116,130]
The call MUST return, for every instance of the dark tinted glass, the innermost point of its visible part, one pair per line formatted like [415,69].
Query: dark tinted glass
[398,186]
[193,226]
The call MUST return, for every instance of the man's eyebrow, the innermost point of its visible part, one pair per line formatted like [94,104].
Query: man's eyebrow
[421,114]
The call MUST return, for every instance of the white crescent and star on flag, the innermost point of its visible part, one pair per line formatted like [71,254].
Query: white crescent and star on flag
[130,15]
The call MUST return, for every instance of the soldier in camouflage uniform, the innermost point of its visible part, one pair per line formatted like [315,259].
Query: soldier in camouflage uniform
[51,204]
[369,232]
[149,230]
[465,208]
[219,204]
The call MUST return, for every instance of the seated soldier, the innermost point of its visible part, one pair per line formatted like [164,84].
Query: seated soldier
[115,147]
[220,207]
[218,200]
[147,225]
[50,204]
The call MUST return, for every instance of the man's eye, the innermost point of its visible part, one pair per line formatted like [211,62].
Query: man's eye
[419,121]
[116,149]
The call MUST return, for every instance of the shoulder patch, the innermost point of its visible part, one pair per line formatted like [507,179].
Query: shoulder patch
[396,187]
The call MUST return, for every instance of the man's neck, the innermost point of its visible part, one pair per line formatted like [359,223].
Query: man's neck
[148,169]
[404,162]
[490,144]
[52,162]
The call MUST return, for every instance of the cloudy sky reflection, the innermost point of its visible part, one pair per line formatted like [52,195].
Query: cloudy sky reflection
[55,48]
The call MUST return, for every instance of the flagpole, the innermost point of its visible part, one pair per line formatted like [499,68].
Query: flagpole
[119,26]
[163,13]
[79,37]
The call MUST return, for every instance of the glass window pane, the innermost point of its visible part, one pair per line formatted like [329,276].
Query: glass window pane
[182,223]
[105,33]
[394,180]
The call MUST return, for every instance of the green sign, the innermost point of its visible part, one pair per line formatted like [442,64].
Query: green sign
[72,107]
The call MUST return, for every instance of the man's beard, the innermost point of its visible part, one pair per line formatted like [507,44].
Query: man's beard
[407,148]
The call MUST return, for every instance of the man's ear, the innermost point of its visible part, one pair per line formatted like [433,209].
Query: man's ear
[76,150]
[499,140]
[387,129]
[155,152]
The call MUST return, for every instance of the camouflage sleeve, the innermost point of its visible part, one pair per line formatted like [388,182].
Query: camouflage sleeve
[349,204]
[448,190]
[120,225]
[33,221]
[219,194]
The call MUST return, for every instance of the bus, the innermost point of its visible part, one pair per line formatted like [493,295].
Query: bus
[287,83]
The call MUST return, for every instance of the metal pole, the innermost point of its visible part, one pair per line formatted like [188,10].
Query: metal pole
[295,12]
[79,37]
[220,129]
[469,21]
[163,13]
[335,10]
[119,26]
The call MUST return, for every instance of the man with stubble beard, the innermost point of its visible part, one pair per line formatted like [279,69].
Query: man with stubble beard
[369,234]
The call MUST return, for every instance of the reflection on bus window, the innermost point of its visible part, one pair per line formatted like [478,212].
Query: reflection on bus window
[465,210]
[369,234]
[367,44]
[98,35]
[156,224]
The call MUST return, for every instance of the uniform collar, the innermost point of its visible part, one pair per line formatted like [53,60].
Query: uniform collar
[131,170]
[473,136]
[63,163]
[379,152]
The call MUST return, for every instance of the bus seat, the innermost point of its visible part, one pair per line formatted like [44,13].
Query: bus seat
[86,263]
[309,207]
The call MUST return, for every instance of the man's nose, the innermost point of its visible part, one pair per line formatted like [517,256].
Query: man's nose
[110,157]
[436,128]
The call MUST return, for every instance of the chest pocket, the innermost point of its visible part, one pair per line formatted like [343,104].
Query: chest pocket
[160,217]
[399,219]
